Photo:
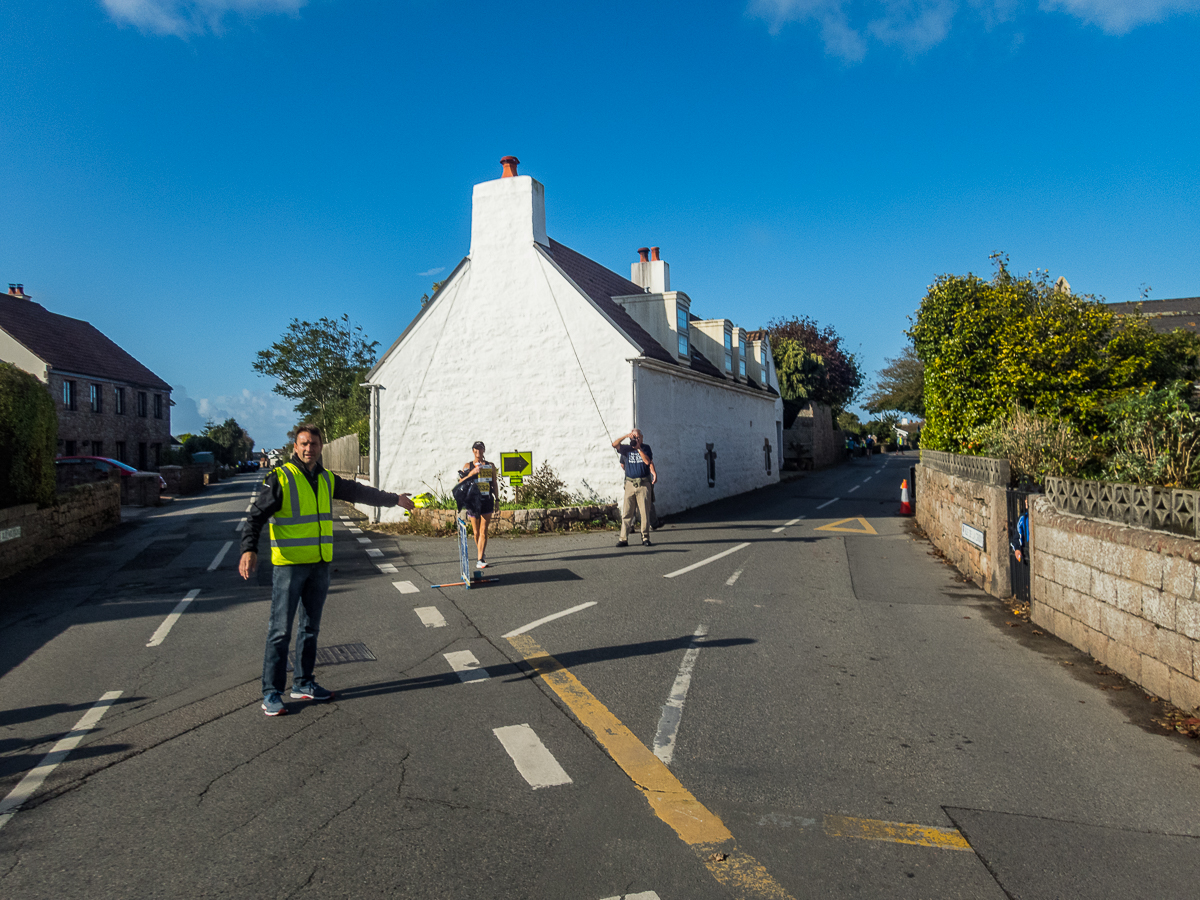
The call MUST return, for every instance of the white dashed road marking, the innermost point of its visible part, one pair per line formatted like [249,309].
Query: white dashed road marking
[364,540]
[374,552]
[641,895]
[430,616]
[406,587]
[220,556]
[240,525]
[853,489]
[787,524]
[535,763]
[387,568]
[33,779]
[672,711]
[705,562]
[466,665]
[549,618]
[734,577]
[827,502]
[165,628]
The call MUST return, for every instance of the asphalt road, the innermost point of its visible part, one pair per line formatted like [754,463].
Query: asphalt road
[826,710]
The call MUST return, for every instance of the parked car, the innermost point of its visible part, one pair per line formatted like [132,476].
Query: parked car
[104,464]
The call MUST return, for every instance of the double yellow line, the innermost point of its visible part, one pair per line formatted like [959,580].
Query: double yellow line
[696,825]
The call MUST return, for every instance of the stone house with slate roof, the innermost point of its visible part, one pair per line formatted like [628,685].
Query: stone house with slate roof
[109,404]
[529,345]
[1164,315]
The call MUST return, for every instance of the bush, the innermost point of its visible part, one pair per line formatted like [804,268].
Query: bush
[543,488]
[28,439]
[1035,446]
[1155,439]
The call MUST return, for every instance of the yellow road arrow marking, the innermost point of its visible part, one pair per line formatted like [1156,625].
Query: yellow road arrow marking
[836,526]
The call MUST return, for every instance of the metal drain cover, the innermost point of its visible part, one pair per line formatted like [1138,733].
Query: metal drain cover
[340,653]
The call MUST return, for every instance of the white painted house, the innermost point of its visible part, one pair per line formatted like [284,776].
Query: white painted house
[529,345]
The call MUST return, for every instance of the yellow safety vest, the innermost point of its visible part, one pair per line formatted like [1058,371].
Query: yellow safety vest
[302,531]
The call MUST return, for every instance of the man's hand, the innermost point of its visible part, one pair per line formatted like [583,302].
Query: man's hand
[248,565]
[404,502]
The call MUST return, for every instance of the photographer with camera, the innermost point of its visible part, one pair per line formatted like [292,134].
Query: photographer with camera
[638,462]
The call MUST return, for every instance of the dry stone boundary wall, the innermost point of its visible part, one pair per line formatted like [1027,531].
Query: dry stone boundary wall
[1125,595]
[533,520]
[29,535]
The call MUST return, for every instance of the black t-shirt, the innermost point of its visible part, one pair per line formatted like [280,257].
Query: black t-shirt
[636,462]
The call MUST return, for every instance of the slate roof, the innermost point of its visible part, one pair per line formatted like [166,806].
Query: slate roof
[71,345]
[1164,315]
[603,284]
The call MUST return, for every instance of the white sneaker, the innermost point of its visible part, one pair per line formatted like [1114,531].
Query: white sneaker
[481,565]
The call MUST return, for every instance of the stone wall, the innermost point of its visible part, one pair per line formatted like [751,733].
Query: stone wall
[944,503]
[183,479]
[122,433]
[29,535]
[812,439]
[1125,595]
[555,519]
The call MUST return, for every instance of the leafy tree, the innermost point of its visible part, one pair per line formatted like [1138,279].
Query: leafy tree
[319,364]
[825,372]
[28,439]
[232,440]
[900,386]
[989,345]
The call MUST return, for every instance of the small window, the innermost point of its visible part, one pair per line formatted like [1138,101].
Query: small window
[728,341]
[762,359]
[742,349]
[119,406]
[742,367]
[683,345]
[681,320]
[158,406]
[142,404]
[728,363]
[69,397]
[121,451]
[156,449]
[143,456]
[97,398]
[69,447]
[97,448]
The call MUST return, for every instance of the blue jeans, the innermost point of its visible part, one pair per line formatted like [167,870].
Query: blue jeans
[304,586]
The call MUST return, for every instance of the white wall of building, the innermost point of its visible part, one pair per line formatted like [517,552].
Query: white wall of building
[680,415]
[13,351]
[511,354]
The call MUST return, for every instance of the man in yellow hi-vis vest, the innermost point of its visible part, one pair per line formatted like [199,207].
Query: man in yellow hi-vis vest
[297,498]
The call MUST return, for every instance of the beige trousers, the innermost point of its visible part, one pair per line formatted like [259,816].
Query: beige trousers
[640,495]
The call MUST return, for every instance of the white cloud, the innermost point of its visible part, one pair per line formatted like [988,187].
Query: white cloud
[265,415]
[184,17]
[915,26]
[1121,16]
[431,272]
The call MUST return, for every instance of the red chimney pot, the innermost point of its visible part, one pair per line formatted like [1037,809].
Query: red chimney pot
[654,254]
[644,253]
[510,164]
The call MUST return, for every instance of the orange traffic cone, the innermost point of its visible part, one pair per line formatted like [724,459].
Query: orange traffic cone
[905,506]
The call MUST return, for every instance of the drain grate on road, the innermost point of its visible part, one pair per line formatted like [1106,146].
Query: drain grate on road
[340,653]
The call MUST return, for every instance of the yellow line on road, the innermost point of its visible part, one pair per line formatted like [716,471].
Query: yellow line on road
[696,826]
[895,832]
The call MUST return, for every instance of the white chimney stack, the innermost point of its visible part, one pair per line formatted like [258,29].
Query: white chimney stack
[507,214]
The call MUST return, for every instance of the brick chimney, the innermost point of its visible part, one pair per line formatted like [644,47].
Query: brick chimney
[510,164]
[17,290]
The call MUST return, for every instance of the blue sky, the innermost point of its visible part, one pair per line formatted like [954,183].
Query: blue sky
[190,174]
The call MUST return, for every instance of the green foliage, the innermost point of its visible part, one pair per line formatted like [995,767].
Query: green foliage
[28,439]
[1155,439]
[987,345]
[543,489]
[1035,446]
[849,423]
[818,367]
[320,364]
[231,443]
[173,457]
[900,386]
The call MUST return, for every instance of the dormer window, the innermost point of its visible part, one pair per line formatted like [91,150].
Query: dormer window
[728,341]
[762,360]
[683,345]
[681,319]
[742,366]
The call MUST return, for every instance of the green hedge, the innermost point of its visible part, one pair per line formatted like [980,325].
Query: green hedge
[28,439]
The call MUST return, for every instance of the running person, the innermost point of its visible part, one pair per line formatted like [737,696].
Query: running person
[483,474]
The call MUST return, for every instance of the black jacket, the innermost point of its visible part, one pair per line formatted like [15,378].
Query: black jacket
[269,500]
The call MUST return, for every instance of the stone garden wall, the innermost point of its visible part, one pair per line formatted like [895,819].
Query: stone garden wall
[532,520]
[29,535]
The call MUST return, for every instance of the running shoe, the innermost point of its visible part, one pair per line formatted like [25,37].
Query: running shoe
[272,704]
[311,691]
